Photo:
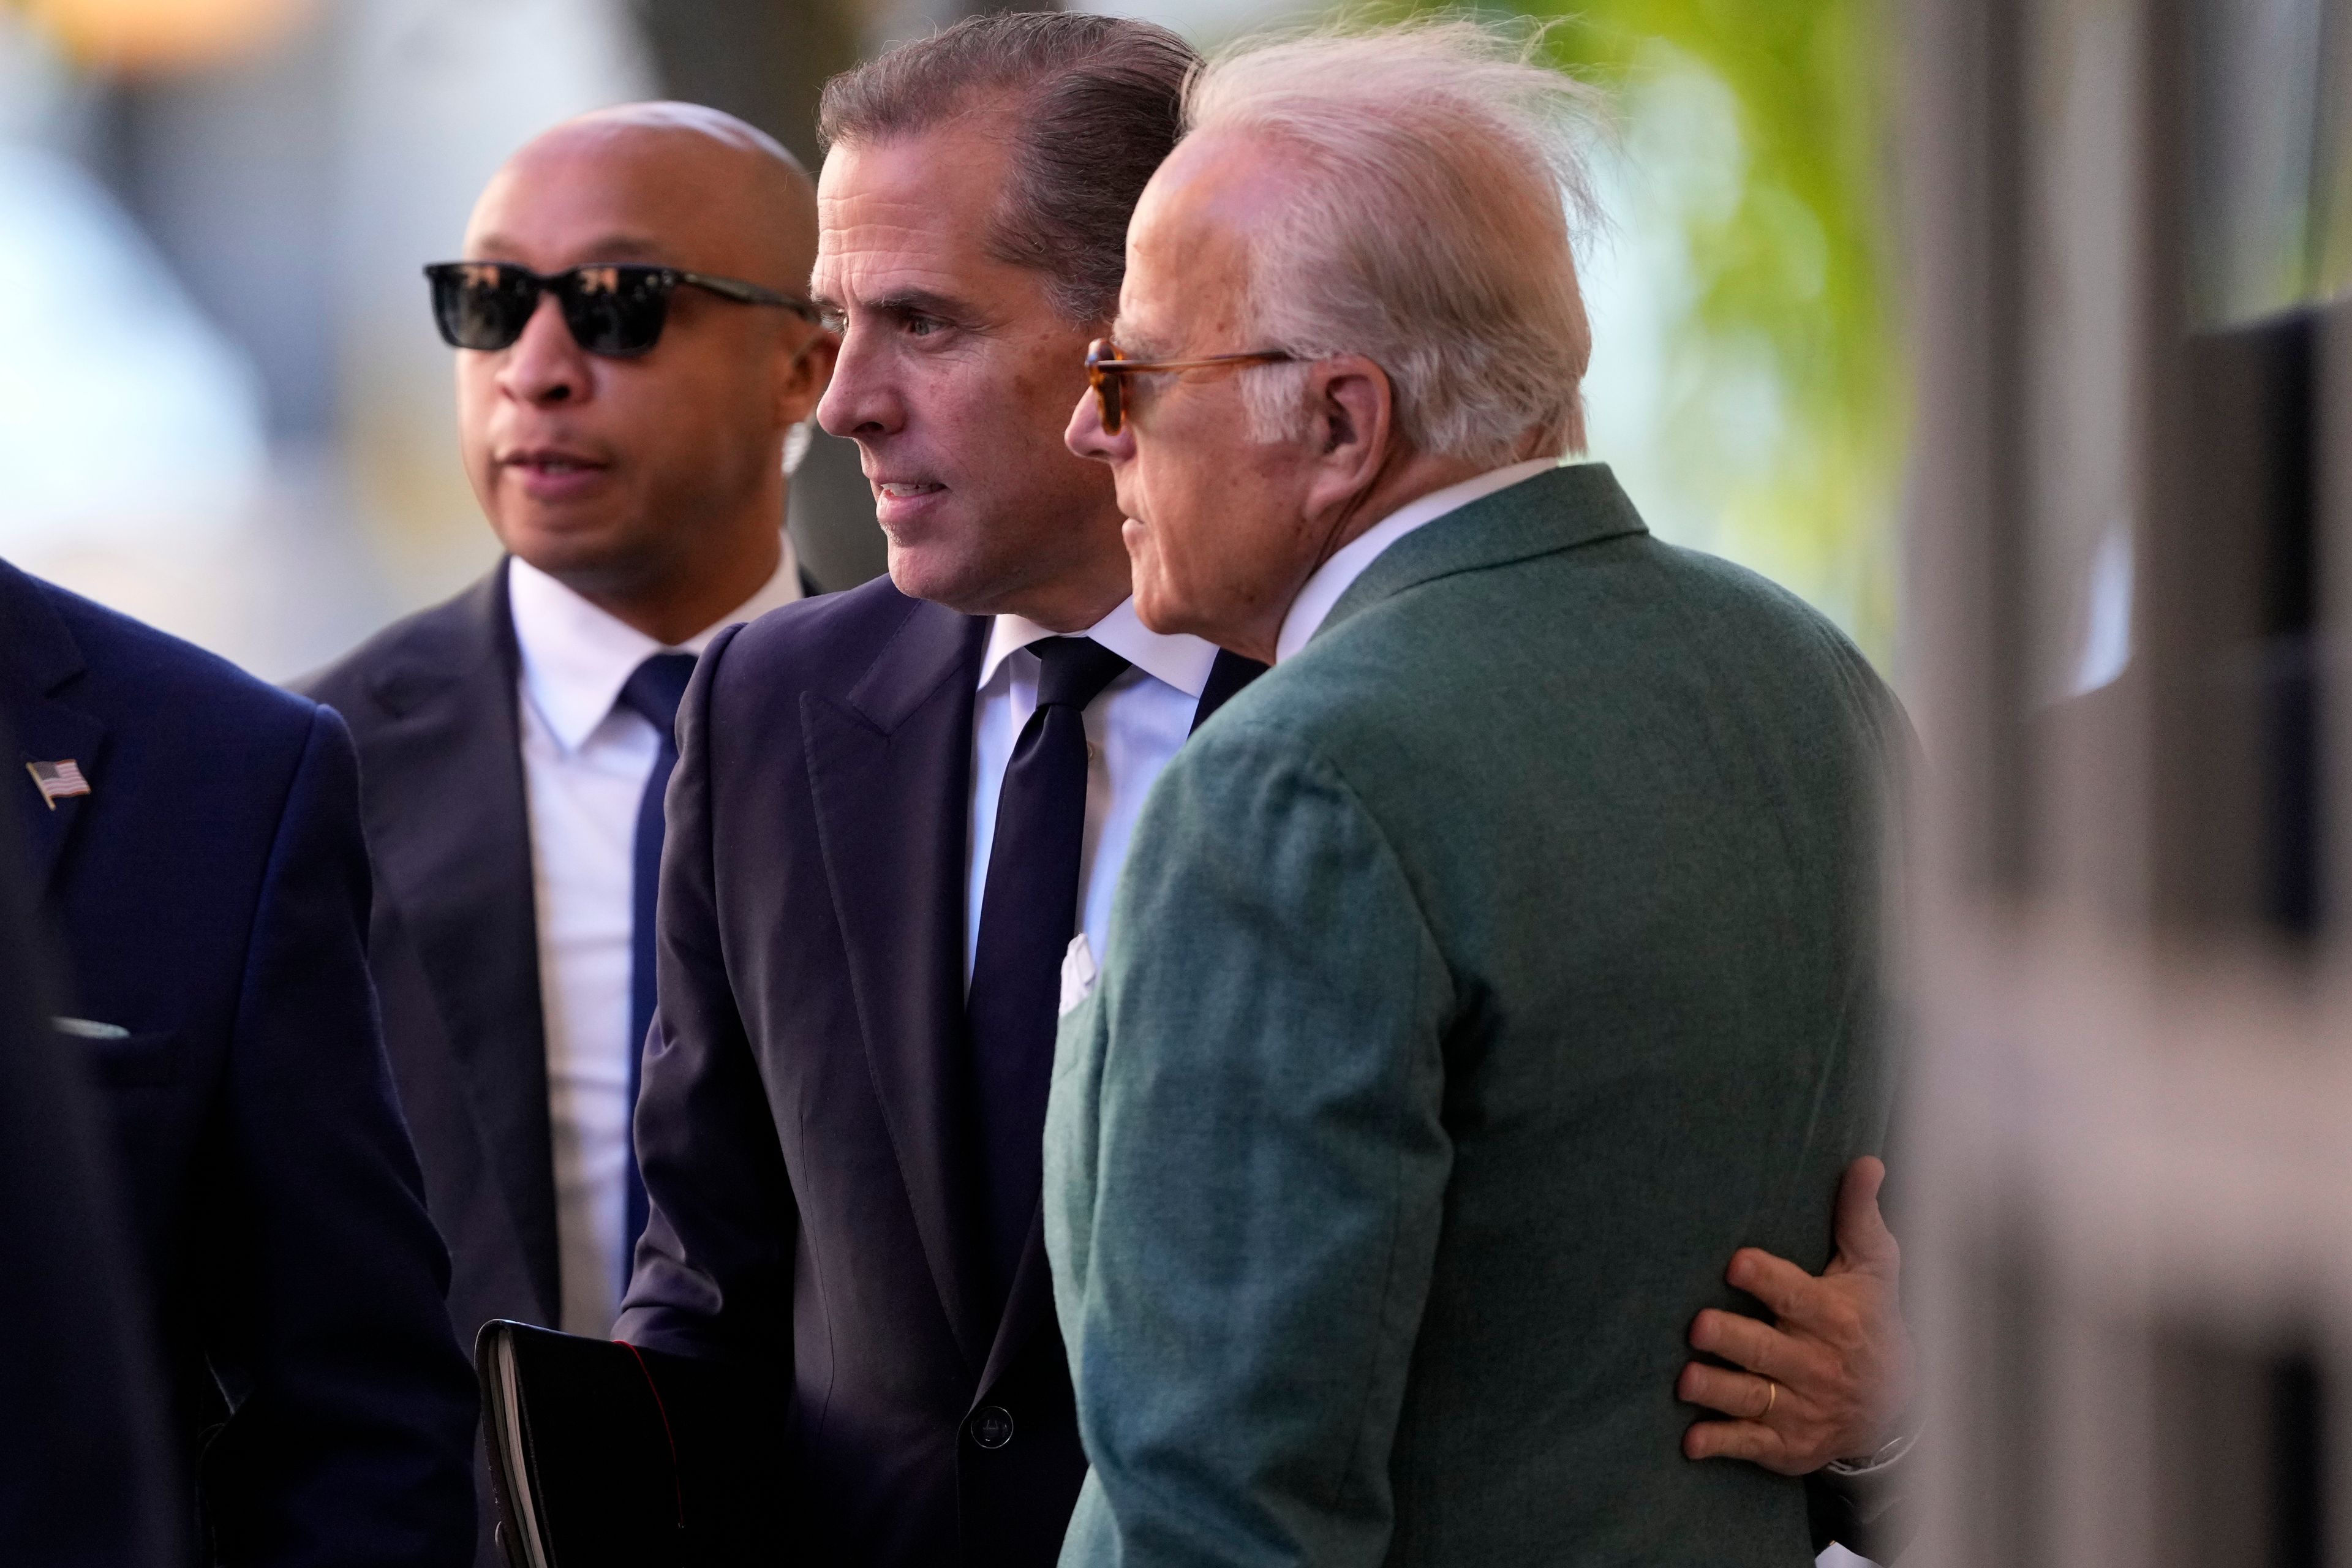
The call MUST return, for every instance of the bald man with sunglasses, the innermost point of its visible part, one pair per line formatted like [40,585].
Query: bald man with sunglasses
[632,354]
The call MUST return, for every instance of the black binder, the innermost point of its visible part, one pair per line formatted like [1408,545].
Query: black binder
[582,1461]
[602,1453]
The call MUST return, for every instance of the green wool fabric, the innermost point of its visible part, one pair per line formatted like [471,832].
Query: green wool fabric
[1481,979]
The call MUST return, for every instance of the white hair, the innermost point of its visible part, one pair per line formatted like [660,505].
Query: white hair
[1440,189]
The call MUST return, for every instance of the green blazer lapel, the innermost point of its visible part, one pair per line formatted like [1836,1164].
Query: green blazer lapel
[1581,504]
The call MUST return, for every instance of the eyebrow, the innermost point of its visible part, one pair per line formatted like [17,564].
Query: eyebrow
[1132,342]
[905,302]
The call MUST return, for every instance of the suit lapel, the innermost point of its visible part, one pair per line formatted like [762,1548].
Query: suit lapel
[890,773]
[38,666]
[49,732]
[1029,1304]
[460,872]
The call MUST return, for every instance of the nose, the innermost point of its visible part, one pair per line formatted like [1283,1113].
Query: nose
[1085,435]
[863,401]
[544,365]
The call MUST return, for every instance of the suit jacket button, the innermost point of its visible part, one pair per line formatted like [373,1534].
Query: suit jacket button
[992,1426]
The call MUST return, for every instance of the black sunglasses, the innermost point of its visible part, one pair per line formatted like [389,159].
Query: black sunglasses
[614,308]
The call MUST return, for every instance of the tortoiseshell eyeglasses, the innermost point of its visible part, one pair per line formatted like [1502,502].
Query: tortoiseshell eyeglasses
[1106,363]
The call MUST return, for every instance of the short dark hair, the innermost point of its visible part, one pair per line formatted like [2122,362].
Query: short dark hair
[1095,104]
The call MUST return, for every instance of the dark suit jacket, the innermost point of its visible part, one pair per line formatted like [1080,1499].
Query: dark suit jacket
[211,892]
[85,1464]
[806,1121]
[431,702]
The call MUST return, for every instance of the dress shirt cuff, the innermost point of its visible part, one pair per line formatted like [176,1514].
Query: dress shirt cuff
[1877,1463]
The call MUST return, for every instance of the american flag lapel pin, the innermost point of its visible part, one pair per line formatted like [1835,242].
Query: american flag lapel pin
[56,781]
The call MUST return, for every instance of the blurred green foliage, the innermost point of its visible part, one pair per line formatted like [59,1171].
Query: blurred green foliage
[1791,276]
[1797,269]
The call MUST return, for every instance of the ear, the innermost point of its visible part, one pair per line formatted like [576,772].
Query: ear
[803,374]
[1353,421]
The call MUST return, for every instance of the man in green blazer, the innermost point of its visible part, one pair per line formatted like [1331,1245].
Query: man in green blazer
[1503,960]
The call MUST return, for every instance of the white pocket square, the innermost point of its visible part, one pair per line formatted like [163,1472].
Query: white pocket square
[1078,973]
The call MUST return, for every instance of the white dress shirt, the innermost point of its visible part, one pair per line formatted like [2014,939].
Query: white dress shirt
[1335,576]
[585,762]
[1132,729]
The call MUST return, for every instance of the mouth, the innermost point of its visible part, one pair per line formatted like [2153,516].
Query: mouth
[549,462]
[556,476]
[900,504]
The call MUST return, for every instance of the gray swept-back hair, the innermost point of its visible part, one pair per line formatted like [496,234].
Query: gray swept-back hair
[1440,188]
[1090,104]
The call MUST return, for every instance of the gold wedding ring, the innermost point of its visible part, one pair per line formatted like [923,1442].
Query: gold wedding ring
[1771,1397]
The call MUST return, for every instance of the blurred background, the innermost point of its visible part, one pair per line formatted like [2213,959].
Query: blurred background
[223,406]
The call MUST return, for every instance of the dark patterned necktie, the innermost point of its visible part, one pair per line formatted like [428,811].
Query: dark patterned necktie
[1028,912]
[653,691]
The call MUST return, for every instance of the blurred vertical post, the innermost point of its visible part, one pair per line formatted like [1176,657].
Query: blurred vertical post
[2134,1032]
[766,61]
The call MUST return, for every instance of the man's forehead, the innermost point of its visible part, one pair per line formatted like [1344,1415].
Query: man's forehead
[617,219]
[617,189]
[888,222]
[863,252]
[940,178]
[1189,249]
[870,220]
[624,162]
[1220,188]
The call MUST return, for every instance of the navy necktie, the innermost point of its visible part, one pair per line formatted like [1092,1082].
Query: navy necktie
[653,691]
[1028,912]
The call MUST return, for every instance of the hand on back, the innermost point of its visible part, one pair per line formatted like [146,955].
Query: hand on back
[1830,1374]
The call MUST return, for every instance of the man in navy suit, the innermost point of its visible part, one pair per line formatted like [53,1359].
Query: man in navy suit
[887,828]
[194,836]
[84,1464]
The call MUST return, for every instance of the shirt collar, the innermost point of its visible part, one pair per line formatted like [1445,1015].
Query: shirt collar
[576,657]
[1177,661]
[1335,576]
